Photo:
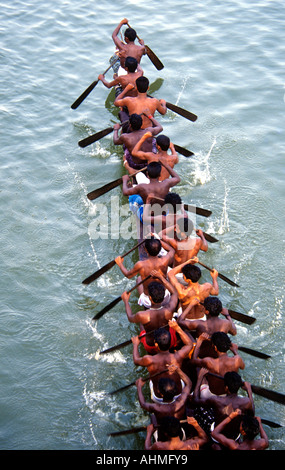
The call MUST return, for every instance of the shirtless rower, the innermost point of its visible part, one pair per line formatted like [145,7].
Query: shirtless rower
[170,426]
[193,289]
[133,70]
[130,137]
[158,314]
[170,403]
[231,401]
[162,213]
[159,362]
[179,237]
[163,144]
[128,48]
[250,427]
[141,102]
[219,365]
[213,308]
[153,186]
[144,268]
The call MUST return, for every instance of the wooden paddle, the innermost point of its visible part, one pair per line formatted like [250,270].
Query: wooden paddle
[98,135]
[183,112]
[194,209]
[242,317]
[134,383]
[89,89]
[249,351]
[117,300]
[183,151]
[107,187]
[151,55]
[226,279]
[108,266]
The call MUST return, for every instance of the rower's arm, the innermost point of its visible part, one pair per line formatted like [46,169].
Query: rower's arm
[232,327]
[116,31]
[121,100]
[175,178]
[204,244]
[156,126]
[217,432]
[128,191]
[137,152]
[129,273]
[106,83]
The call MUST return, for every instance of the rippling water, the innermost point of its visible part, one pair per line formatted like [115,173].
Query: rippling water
[224,61]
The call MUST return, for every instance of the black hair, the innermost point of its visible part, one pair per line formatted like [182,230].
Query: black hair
[221,340]
[213,305]
[163,141]
[163,338]
[191,272]
[185,225]
[167,388]
[173,200]
[130,34]
[131,64]
[170,426]
[156,291]
[135,121]
[154,169]
[233,381]
[250,425]
[142,84]
[153,246]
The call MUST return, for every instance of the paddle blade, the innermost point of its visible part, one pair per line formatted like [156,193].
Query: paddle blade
[107,308]
[183,112]
[98,273]
[183,151]
[226,279]
[154,59]
[242,317]
[197,210]
[104,189]
[253,352]
[84,95]
[94,137]
[210,238]
[118,346]
[270,394]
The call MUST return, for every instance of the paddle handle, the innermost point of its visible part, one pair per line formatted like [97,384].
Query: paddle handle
[139,283]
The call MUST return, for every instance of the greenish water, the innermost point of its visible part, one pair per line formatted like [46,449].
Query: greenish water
[224,61]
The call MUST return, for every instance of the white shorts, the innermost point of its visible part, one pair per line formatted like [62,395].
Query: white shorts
[145,301]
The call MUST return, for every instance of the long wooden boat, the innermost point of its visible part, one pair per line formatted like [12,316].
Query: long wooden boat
[142,255]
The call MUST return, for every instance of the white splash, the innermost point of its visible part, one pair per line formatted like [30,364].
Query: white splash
[201,172]
[224,224]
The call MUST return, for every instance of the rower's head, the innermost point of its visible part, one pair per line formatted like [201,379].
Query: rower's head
[154,170]
[213,305]
[221,341]
[142,84]
[173,201]
[170,426]
[162,339]
[135,121]
[167,388]
[184,228]
[156,291]
[153,246]
[233,381]
[249,427]
[131,64]
[163,142]
[130,35]
[191,273]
